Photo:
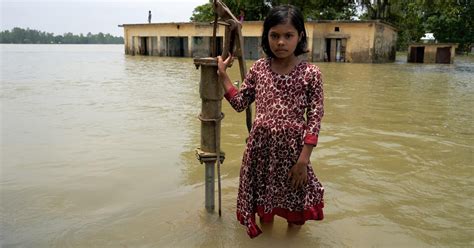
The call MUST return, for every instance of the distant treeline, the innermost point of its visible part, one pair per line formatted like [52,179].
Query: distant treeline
[31,36]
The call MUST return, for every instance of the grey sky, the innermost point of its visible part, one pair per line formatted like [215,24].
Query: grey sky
[82,16]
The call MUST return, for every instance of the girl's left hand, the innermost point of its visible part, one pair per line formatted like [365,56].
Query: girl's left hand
[299,174]
[223,64]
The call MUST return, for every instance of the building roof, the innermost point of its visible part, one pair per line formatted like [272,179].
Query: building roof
[259,22]
[433,44]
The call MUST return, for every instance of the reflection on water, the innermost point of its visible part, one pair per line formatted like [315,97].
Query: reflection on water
[98,150]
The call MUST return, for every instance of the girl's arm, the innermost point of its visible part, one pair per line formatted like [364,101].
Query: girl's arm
[314,114]
[315,106]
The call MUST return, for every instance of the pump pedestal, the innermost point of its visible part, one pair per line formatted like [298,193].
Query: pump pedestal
[211,93]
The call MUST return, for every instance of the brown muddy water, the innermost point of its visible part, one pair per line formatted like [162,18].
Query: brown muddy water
[97,150]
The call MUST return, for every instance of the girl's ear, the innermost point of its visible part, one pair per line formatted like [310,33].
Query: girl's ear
[300,36]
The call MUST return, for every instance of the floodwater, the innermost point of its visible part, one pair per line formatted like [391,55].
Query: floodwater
[97,150]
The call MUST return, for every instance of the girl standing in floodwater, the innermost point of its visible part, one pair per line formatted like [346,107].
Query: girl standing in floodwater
[276,177]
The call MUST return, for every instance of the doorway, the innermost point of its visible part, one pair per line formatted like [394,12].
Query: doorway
[177,46]
[443,55]
[219,46]
[143,46]
[335,50]
[417,55]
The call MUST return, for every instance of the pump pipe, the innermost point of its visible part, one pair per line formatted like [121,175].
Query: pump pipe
[211,92]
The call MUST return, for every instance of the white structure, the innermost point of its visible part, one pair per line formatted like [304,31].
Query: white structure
[428,38]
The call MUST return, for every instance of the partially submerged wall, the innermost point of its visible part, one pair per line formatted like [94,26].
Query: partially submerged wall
[334,41]
[442,53]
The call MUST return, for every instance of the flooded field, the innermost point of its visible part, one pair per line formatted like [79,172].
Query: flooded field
[97,150]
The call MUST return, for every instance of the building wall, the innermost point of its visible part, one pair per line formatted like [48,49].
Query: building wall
[366,41]
[431,50]
[384,43]
[133,32]
[358,39]
[252,48]
[430,54]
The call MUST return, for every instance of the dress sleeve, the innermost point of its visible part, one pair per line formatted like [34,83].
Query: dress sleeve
[315,107]
[241,99]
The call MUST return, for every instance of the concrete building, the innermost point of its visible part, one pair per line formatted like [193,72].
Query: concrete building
[332,41]
[441,53]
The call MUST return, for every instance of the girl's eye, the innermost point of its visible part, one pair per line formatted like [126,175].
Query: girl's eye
[274,36]
[288,36]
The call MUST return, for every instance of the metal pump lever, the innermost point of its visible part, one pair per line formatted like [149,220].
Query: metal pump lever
[234,44]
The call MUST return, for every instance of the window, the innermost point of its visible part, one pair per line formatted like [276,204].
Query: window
[336,29]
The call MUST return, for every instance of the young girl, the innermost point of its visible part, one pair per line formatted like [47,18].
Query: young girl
[276,177]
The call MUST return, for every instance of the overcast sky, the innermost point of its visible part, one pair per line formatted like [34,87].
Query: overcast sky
[83,16]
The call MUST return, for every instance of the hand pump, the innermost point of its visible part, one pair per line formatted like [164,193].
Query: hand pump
[211,92]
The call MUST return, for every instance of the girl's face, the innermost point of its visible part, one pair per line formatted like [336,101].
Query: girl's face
[283,39]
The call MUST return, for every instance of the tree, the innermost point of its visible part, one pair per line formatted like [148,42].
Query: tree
[329,10]
[254,10]
[387,10]
[410,24]
[258,10]
[31,36]
[452,21]
[203,13]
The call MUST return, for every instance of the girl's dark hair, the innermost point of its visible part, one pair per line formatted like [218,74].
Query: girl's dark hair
[280,15]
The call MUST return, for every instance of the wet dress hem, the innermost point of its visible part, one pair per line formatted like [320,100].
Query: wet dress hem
[292,217]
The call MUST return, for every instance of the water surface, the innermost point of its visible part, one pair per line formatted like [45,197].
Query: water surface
[97,150]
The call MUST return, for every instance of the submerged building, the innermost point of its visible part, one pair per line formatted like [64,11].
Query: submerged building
[440,53]
[331,41]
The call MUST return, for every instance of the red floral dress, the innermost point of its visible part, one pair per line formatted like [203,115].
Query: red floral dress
[275,143]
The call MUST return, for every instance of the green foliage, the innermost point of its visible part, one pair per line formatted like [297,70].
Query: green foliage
[253,10]
[410,23]
[257,10]
[449,20]
[323,9]
[31,36]
[203,13]
[452,21]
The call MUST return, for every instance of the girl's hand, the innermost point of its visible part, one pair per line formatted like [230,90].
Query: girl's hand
[223,64]
[299,174]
